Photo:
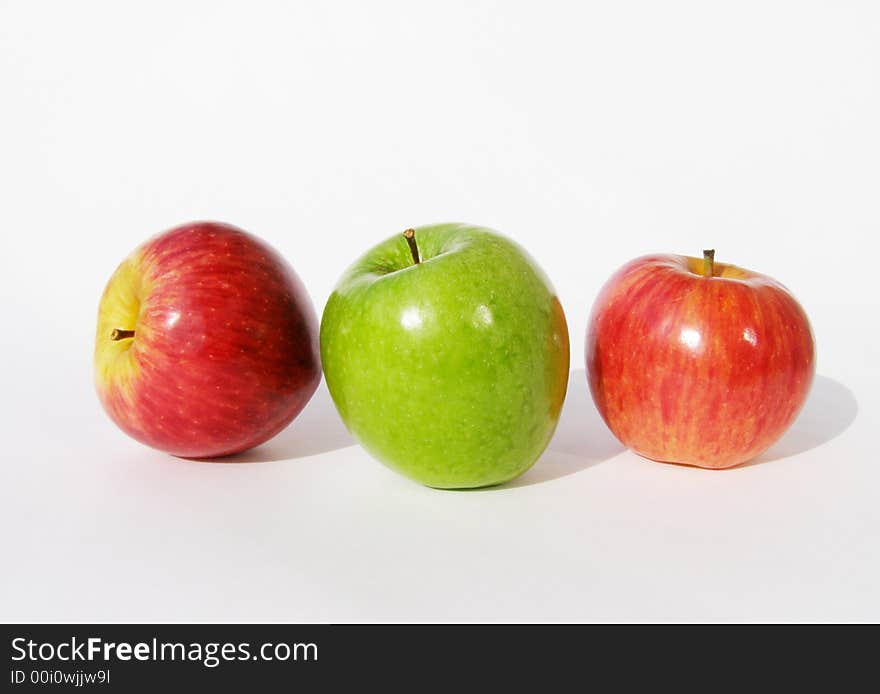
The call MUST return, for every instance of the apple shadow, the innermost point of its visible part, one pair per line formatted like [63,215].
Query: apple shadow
[830,409]
[317,429]
[581,440]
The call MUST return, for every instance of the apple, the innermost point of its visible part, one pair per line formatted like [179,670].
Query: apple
[695,362]
[206,342]
[445,350]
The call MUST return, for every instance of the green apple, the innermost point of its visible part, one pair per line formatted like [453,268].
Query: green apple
[446,352]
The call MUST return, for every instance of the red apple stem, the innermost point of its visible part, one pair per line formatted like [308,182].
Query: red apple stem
[709,262]
[118,334]
[410,236]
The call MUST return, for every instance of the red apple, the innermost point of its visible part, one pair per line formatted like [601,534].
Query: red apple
[695,362]
[206,342]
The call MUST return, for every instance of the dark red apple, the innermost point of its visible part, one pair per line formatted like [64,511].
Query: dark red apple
[206,343]
[695,362]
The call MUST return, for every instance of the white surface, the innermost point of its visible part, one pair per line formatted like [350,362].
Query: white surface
[591,133]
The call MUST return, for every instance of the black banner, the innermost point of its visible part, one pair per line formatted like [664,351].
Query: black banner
[134,658]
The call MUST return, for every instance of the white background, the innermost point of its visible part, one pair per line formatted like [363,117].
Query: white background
[589,132]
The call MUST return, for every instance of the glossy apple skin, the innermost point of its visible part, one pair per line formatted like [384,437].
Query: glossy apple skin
[453,371]
[704,371]
[225,350]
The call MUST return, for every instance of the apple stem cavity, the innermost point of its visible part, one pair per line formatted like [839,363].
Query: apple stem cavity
[410,236]
[709,262]
[118,334]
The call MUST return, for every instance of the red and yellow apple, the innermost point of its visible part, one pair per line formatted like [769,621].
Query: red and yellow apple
[695,362]
[206,342]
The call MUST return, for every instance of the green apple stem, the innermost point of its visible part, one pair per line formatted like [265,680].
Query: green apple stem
[410,236]
[118,334]
[709,263]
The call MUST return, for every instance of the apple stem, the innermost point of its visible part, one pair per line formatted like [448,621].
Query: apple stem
[118,334]
[709,262]
[410,236]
